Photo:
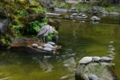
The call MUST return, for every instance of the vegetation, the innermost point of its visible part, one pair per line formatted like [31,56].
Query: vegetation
[24,17]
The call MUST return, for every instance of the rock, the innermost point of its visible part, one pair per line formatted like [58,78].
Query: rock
[78,16]
[3,25]
[95,10]
[95,18]
[60,10]
[72,1]
[73,10]
[96,71]
[114,13]
[61,5]
[104,12]
[53,14]
[46,3]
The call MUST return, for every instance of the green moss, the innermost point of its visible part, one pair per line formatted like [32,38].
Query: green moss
[20,19]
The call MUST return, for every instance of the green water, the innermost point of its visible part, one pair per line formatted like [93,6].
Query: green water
[77,39]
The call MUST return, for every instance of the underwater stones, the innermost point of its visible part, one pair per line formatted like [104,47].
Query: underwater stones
[3,25]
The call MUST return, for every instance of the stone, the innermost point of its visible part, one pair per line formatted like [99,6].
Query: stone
[60,10]
[3,25]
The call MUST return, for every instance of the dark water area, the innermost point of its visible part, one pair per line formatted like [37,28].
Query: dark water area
[78,39]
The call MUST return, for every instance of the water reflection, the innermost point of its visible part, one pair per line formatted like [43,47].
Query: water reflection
[70,64]
[111,50]
[44,64]
[78,40]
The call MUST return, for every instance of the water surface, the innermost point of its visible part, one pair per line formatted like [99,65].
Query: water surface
[78,39]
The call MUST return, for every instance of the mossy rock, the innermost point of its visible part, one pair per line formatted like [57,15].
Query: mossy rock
[103,70]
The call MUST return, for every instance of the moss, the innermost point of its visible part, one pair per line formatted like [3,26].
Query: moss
[20,18]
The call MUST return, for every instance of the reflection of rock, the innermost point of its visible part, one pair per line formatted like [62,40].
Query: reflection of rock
[95,18]
[114,13]
[96,71]
[45,65]
[3,25]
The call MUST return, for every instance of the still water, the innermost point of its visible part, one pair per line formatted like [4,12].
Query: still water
[78,39]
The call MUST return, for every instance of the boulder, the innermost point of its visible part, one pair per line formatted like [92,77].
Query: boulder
[96,71]
[3,25]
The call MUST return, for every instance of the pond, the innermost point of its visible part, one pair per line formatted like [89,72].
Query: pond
[78,39]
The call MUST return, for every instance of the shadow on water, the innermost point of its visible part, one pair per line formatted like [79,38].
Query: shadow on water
[78,39]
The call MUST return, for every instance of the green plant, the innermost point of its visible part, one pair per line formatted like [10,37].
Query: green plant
[16,28]
[49,36]
[22,12]
[80,6]
[36,25]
